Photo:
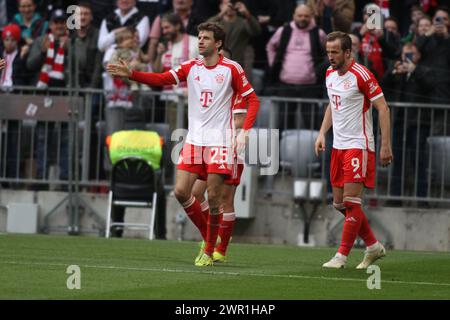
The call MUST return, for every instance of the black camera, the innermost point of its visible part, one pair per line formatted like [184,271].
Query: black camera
[439,19]
[409,56]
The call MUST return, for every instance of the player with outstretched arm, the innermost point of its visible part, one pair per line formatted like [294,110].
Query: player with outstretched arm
[213,83]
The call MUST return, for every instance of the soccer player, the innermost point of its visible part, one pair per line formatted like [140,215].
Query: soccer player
[353,90]
[213,83]
[229,190]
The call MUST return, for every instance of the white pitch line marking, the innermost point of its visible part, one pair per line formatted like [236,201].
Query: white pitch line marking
[224,273]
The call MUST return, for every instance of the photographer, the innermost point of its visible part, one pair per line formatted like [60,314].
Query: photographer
[434,47]
[406,81]
[240,26]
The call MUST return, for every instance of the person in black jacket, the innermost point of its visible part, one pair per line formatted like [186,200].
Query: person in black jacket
[13,73]
[297,66]
[435,51]
[408,81]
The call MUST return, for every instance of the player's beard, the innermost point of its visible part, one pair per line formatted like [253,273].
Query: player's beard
[207,52]
[338,65]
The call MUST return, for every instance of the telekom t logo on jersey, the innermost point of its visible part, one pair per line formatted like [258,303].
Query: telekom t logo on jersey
[336,99]
[206,98]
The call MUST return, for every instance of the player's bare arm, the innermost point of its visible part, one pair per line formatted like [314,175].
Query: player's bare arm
[326,125]
[385,126]
[242,135]
[120,69]
[239,119]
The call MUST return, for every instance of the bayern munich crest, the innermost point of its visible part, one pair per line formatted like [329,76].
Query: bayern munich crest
[220,78]
[347,84]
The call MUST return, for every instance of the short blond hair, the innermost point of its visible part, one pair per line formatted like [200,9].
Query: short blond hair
[124,35]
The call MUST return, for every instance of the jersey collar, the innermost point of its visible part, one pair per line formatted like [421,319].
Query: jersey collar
[218,62]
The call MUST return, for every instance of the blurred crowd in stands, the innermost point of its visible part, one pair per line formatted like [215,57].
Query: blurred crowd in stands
[280,44]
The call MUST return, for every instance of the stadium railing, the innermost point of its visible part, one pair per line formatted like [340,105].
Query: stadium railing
[420,135]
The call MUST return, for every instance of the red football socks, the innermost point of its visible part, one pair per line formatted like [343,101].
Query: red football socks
[353,219]
[194,212]
[225,231]
[213,232]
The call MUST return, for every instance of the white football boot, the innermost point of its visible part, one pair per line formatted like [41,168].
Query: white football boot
[377,251]
[337,262]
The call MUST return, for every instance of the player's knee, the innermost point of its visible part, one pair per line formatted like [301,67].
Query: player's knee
[198,195]
[227,201]
[213,197]
[181,194]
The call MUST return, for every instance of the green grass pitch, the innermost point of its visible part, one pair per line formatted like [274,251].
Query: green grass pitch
[34,267]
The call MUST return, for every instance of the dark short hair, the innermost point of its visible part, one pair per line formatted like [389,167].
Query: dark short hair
[173,19]
[216,29]
[443,8]
[344,38]
[391,19]
[85,4]
[416,7]
[426,17]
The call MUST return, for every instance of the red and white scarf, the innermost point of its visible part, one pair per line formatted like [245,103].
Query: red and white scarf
[53,66]
[121,95]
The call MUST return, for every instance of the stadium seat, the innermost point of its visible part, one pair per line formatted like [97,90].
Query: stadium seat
[297,152]
[440,158]
[133,184]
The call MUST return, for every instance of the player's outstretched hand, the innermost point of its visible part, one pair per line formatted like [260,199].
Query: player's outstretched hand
[120,69]
[2,63]
[240,142]
[320,144]
[385,156]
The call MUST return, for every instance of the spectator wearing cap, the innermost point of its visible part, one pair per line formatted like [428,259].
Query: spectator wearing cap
[48,59]
[31,23]
[48,54]
[14,72]
[125,16]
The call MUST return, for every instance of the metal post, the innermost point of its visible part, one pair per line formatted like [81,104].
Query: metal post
[272,124]
[87,137]
[70,167]
[76,161]
[180,112]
